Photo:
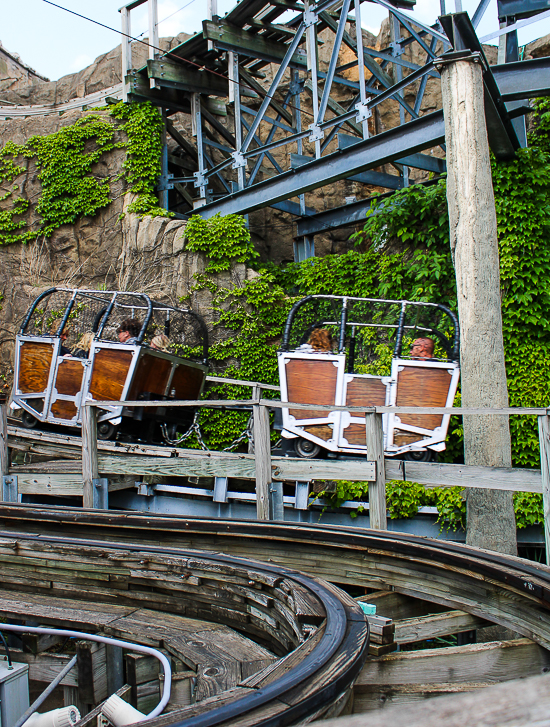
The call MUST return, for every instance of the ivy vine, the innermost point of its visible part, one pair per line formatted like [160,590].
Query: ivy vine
[65,160]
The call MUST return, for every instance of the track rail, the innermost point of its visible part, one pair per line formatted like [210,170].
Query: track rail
[504,589]
[319,673]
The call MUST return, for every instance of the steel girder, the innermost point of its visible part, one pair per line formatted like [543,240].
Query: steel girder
[423,133]
[306,111]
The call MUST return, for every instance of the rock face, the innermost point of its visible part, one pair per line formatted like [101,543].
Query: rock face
[150,254]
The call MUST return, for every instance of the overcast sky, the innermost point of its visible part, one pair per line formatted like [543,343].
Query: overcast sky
[55,43]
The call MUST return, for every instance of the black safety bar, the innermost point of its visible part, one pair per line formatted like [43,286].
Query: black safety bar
[452,352]
[33,307]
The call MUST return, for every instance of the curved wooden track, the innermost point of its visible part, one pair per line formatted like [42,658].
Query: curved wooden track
[502,589]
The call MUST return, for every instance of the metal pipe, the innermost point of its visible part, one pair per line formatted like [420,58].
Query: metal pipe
[46,693]
[399,339]
[33,308]
[343,318]
[112,642]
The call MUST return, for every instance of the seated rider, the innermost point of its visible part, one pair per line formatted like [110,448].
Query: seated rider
[319,341]
[63,351]
[422,348]
[82,348]
[128,331]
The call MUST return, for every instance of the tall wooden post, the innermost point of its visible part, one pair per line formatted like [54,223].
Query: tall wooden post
[90,469]
[473,235]
[377,489]
[262,460]
[544,441]
[4,458]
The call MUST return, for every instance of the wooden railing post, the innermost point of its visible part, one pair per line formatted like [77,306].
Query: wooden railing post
[377,489]
[544,441]
[4,459]
[90,469]
[262,460]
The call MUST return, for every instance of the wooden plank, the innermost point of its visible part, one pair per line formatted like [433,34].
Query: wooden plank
[382,697]
[441,624]
[397,606]
[45,667]
[58,484]
[494,661]
[4,458]
[230,37]
[544,442]
[262,458]
[90,469]
[93,717]
[377,488]
[435,474]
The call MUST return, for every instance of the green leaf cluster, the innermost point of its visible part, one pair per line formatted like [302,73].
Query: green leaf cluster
[66,163]
[224,241]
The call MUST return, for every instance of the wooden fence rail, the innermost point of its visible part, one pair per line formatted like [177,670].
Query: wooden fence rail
[104,457]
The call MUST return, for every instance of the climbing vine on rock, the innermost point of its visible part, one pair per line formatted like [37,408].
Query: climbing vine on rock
[70,186]
[142,167]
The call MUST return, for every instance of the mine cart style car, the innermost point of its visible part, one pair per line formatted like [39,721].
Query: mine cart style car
[161,356]
[365,331]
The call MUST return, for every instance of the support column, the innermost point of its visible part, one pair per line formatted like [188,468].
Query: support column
[474,246]
[90,469]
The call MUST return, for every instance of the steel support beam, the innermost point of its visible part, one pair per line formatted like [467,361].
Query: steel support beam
[523,79]
[419,134]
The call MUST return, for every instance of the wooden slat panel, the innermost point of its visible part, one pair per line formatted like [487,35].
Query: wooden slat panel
[34,366]
[110,369]
[365,392]
[63,409]
[187,381]
[323,431]
[311,382]
[69,375]
[402,438]
[151,374]
[419,386]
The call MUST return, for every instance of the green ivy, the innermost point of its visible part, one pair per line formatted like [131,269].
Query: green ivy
[224,240]
[143,128]
[65,161]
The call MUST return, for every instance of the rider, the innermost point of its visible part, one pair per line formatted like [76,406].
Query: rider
[422,348]
[128,331]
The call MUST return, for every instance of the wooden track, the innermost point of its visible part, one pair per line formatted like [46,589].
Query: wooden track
[155,595]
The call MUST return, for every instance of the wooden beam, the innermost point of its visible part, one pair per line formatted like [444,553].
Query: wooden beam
[230,37]
[4,458]
[377,488]
[186,78]
[399,606]
[544,442]
[378,696]
[494,661]
[262,456]
[440,624]
[90,471]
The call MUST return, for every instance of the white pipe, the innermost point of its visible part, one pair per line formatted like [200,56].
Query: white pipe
[113,642]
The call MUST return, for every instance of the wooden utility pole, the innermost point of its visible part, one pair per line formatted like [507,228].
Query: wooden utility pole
[474,245]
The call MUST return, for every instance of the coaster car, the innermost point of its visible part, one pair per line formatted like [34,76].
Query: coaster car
[88,345]
[366,330]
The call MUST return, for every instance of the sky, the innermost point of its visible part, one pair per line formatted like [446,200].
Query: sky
[55,43]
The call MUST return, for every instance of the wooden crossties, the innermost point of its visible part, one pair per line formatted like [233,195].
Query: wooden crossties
[190,605]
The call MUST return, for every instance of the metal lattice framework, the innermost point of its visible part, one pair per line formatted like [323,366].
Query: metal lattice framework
[294,124]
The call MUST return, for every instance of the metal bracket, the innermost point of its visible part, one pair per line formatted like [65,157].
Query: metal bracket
[200,179]
[145,489]
[100,493]
[238,160]
[317,134]
[363,111]
[301,500]
[9,488]
[310,17]
[276,506]
[220,489]
[397,48]
[165,183]
[459,55]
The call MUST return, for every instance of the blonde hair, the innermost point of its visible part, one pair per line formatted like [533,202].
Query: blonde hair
[161,343]
[85,343]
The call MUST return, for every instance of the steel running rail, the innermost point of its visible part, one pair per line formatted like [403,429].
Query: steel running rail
[334,635]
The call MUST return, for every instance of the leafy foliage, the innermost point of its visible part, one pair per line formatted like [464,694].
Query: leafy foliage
[143,128]
[70,186]
[64,161]
[224,240]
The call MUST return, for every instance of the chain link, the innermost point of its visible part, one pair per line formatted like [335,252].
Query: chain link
[195,428]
